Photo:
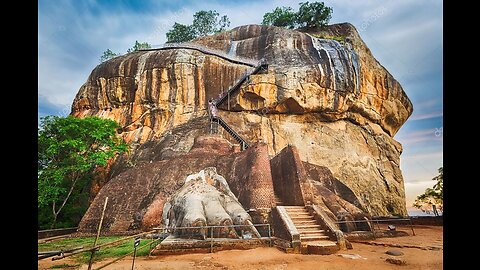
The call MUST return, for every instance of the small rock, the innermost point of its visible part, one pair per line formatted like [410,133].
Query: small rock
[394,252]
[351,256]
[348,245]
[397,261]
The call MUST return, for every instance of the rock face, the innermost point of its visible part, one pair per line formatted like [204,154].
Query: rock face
[331,100]
[138,195]
[169,192]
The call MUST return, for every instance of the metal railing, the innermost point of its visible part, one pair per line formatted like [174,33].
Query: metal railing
[58,255]
[372,223]
[206,50]
[56,232]
[262,65]
[243,143]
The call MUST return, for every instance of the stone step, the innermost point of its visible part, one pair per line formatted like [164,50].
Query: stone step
[290,213]
[313,238]
[308,231]
[298,213]
[304,222]
[308,227]
[301,218]
[294,207]
[296,210]
[312,235]
[320,247]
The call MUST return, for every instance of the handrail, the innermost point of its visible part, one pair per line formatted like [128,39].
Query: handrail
[205,50]
[261,65]
[235,135]
[333,231]
[212,226]
[258,65]
[381,220]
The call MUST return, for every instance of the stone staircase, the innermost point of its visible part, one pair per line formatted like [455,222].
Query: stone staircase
[313,237]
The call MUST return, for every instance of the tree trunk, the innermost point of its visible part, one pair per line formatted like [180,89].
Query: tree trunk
[55,213]
[54,221]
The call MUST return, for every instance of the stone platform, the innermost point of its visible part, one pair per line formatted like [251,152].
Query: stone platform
[174,245]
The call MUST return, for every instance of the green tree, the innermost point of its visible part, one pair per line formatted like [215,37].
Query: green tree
[314,14]
[107,55]
[69,150]
[281,16]
[204,23]
[223,23]
[432,197]
[139,46]
[180,33]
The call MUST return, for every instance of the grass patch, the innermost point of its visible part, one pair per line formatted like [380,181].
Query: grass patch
[118,250]
[340,39]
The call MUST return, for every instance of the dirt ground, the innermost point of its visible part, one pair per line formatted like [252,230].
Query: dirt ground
[371,257]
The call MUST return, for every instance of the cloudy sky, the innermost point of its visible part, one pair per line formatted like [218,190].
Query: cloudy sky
[405,36]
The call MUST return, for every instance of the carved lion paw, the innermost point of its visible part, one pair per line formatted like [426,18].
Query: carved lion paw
[205,199]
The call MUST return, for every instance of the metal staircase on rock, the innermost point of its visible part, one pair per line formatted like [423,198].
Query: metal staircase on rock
[218,120]
[261,66]
[243,144]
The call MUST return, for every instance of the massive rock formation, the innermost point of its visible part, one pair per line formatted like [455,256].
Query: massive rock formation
[330,99]
[137,196]
[152,194]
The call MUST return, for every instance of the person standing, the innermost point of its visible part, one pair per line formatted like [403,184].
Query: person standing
[212,110]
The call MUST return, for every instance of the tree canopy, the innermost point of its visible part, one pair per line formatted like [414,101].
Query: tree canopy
[310,15]
[432,198]
[139,46]
[180,33]
[107,55]
[314,14]
[204,23]
[282,17]
[69,150]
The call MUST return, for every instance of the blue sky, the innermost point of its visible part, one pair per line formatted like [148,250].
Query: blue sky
[405,36]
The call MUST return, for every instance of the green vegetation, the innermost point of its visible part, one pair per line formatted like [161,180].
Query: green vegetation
[63,266]
[309,15]
[282,17]
[139,46]
[123,248]
[69,152]
[107,55]
[180,33]
[340,39]
[204,23]
[432,198]
[314,14]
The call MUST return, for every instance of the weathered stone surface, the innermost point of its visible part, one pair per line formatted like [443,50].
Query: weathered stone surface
[394,252]
[334,102]
[137,195]
[397,261]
